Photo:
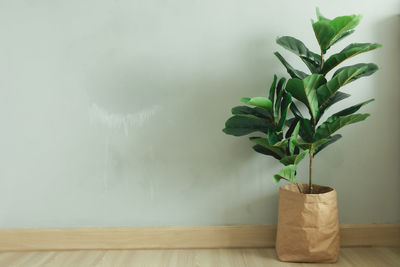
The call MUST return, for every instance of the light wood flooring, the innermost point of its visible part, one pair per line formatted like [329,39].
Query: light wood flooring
[363,257]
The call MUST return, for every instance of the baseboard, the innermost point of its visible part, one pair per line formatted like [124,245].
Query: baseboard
[173,237]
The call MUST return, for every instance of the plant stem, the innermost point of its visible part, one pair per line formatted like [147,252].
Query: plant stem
[298,187]
[310,187]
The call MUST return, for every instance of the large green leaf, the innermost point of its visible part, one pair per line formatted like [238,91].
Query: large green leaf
[272,90]
[292,124]
[314,145]
[293,138]
[371,68]
[311,59]
[334,123]
[306,91]
[258,101]
[282,145]
[280,86]
[240,125]
[287,173]
[319,15]
[344,24]
[265,144]
[329,32]
[295,110]
[332,139]
[279,95]
[338,96]
[256,111]
[295,159]
[306,130]
[352,109]
[344,35]
[348,52]
[262,150]
[286,101]
[273,137]
[345,76]
[292,71]
[324,33]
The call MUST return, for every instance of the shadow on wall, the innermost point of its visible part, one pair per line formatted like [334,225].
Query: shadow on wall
[386,125]
[379,173]
[257,210]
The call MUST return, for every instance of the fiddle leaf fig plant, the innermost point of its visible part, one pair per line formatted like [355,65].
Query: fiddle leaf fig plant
[290,136]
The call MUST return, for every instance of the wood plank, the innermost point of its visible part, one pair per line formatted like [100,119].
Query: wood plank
[174,237]
[355,235]
[255,257]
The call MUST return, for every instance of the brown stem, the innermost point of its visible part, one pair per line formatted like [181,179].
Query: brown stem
[298,187]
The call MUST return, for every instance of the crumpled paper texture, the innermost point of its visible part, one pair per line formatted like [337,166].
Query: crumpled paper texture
[308,225]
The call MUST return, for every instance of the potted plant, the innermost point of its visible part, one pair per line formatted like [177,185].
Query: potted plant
[308,228]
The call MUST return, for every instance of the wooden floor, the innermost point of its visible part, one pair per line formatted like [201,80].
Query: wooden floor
[363,257]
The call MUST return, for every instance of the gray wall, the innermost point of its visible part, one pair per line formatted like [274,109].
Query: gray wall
[111,112]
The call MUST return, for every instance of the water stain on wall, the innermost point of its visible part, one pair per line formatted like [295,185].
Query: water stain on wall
[117,122]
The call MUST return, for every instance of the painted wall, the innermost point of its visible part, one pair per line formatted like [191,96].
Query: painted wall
[111,112]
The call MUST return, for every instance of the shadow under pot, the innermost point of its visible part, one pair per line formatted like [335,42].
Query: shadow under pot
[308,225]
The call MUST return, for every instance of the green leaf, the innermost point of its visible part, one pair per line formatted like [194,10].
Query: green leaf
[293,138]
[280,85]
[295,110]
[370,69]
[345,76]
[272,90]
[286,101]
[348,52]
[338,96]
[292,71]
[292,124]
[283,144]
[280,92]
[320,16]
[265,144]
[344,35]
[324,33]
[240,125]
[329,32]
[312,60]
[262,150]
[306,91]
[272,137]
[296,130]
[352,109]
[295,159]
[314,145]
[334,123]
[306,131]
[258,101]
[313,68]
[344,24]
[332,139]
[286,173]
[256,111]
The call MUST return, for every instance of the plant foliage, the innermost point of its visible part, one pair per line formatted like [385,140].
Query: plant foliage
[290,136]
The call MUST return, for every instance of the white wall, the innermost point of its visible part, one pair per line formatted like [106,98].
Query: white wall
[111,112]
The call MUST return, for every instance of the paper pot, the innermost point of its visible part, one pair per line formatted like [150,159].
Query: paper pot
[308,226]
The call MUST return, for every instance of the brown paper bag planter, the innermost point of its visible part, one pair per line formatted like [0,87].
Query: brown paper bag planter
[308,226]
